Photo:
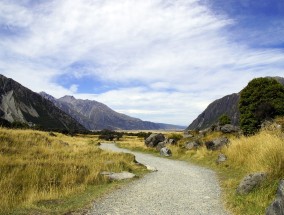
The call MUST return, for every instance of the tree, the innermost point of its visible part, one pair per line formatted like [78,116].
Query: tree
[224,119]
[261,99]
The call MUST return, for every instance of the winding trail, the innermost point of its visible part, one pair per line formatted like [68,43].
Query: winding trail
[176,188]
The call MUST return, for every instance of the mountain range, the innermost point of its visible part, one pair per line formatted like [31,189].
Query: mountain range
[227,105]
[96,116]
[20,104]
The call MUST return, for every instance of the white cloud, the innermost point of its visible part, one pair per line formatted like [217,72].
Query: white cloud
[73,88]
[177,50]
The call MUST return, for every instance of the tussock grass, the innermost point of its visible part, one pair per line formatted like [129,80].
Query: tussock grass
[37,167]
[134,143]
[263,152]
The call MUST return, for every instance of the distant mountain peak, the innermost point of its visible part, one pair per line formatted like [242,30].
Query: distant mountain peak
[68,98]
[47,96]
[96,116]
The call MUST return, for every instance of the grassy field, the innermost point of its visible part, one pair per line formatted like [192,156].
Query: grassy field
[43,173]
[263,152]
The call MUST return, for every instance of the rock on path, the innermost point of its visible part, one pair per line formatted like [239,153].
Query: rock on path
[176,188]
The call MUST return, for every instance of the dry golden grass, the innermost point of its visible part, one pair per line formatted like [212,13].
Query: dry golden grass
[35,166]
[134,143]
[262,152]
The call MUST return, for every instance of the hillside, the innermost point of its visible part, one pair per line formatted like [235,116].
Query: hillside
[18,103]
[227,105]
[96,116]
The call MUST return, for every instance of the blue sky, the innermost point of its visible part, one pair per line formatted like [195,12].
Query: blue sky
[159,60]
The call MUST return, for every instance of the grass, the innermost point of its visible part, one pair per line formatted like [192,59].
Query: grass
[263,152]
[43,173]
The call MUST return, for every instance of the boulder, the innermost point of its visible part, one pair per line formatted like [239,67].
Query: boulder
[118,176]
[188,136]
[165,152]
[221,158]
[191,145]
[154,139]
[250,181]
[172,141]
[217,143]
[277,206]
[228,128]
[160,145]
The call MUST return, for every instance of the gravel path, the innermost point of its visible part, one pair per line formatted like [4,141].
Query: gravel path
[176,188]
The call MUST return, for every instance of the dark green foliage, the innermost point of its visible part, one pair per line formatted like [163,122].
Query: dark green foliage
[142,134]
[224,119]
[262,99]
[175,136]
[109,135]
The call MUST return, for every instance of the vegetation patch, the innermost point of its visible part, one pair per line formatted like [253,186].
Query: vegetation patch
[262,152]
[262,99]
[42,172]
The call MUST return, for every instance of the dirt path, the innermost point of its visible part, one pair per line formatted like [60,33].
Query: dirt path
[176,188]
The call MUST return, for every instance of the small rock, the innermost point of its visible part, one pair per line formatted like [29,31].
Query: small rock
[221,158]
[250,181]
[165,152]
[277,206]
[118,176]
[188,136]
[228,128]
[172,141]
[191,145]
[153,169]
[217,143]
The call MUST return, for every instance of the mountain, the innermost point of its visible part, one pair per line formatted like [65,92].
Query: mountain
[96,116]
[227,105]
[21,104]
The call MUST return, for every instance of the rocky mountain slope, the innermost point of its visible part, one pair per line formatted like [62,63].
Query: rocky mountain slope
[96,116]
[21,104]
[227,105]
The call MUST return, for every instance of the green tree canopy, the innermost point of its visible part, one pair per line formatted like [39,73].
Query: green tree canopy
[261,99]
[224,119]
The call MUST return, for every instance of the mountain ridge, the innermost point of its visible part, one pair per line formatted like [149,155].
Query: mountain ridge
[226,105]
[97,116]
[19,103]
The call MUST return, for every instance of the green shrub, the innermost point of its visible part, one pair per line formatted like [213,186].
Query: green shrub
[175,136]
[224,119]
[262,99]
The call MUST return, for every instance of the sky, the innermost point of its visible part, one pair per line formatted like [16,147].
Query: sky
[158,60]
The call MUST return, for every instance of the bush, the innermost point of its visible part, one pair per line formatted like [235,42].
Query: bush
[260,100]
[224,119]
[109,135]
[175,136]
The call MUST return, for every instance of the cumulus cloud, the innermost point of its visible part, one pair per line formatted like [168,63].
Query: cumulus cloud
[167,59]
